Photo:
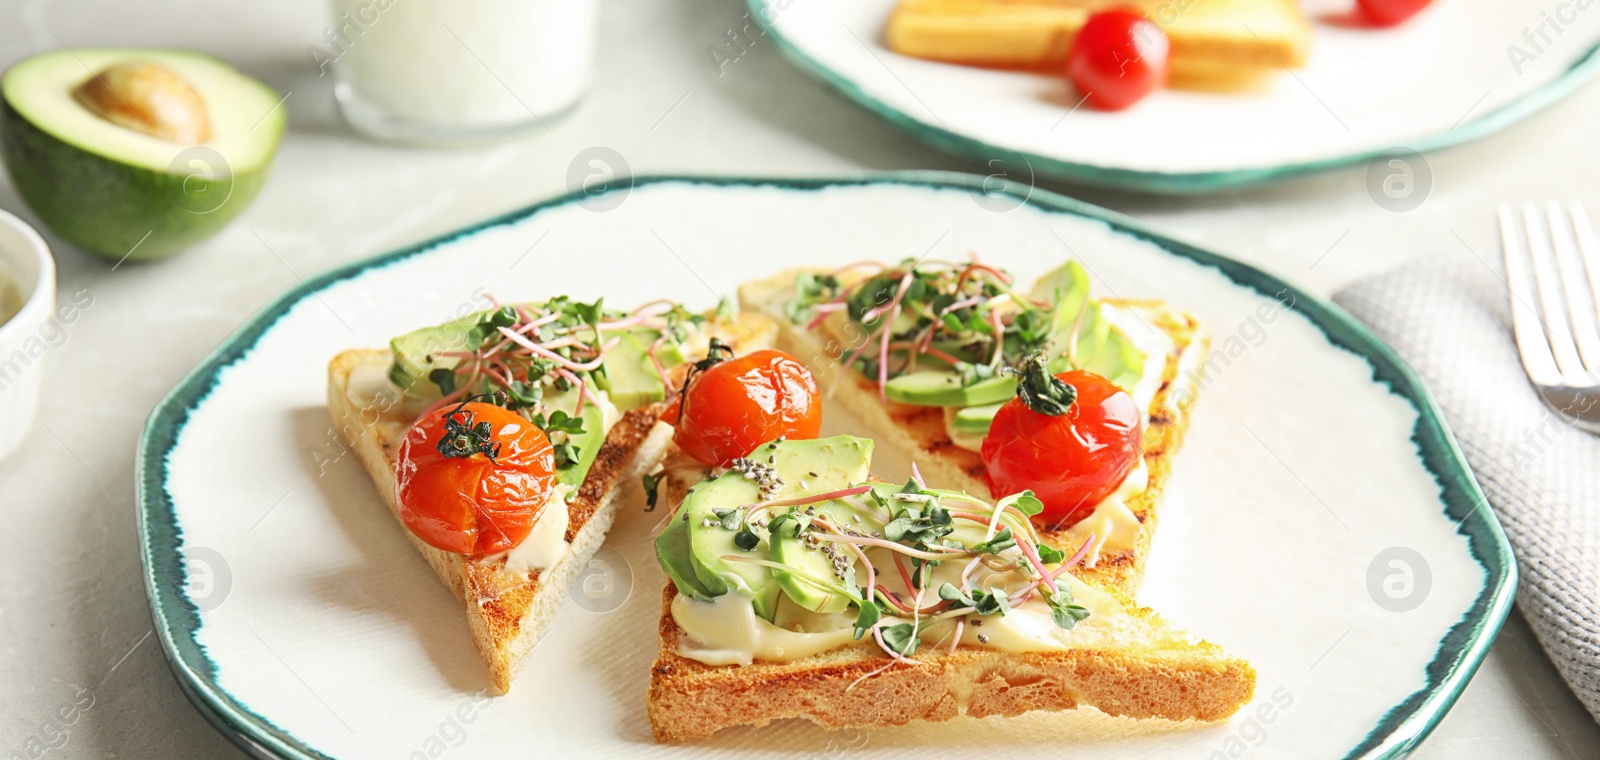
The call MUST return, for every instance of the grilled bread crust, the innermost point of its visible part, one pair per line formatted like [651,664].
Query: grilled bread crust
[920,430]
[509,613]
[1140,667]
[506,612]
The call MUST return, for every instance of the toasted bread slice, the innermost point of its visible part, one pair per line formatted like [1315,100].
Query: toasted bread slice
[1136,665]
[920,430]
[1211,40]
[508,612]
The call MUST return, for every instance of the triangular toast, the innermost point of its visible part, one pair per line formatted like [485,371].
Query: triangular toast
[1211,40]
[507,613]
[920,431]
[1136,666]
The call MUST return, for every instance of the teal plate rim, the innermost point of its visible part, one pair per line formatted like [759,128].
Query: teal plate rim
[1460,652]
[1579,72]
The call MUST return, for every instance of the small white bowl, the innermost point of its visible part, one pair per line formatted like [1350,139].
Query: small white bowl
[29,335]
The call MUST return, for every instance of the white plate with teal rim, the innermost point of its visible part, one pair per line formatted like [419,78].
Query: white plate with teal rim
[1320,521]
[1460,70]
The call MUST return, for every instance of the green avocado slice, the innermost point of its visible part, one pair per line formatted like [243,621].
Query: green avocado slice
[417,354]
[807,467]
[588,442]
[791,550]
[630,378]
[943,388]
[672,552]
[1102,348]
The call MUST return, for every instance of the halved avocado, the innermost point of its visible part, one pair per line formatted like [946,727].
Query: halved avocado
[136,153]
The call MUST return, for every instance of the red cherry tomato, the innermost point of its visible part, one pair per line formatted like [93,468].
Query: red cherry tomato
[474,504]
[1071,462]
[1118,58]
[1390,12]
[735,405]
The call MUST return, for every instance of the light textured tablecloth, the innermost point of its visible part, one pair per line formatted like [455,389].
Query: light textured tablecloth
[1450,319]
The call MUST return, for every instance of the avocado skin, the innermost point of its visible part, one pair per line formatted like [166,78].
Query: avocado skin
[105,207]
[673,553]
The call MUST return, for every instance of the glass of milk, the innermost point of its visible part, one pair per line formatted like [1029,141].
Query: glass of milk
[447,71]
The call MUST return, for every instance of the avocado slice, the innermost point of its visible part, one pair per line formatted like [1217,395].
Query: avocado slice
[416,354]
[838,462]
[588,442]
[789,548]
[672,552]
[1102,348]
[968,426]
[102,144]
[935,387]
[974,420]
[630,378]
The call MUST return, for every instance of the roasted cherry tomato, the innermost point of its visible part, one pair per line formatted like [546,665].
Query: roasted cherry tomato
[1073,460]
[731,406]
[474,478]
[1390,12]
[1119,57]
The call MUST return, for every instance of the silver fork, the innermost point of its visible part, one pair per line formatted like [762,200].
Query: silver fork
[1555,306]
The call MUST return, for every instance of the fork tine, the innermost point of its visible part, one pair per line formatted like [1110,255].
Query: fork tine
[1579,296]
[1532,345]
[1590,250]
[1552,304]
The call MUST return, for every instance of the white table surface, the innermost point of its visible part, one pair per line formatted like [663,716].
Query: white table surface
[74,625]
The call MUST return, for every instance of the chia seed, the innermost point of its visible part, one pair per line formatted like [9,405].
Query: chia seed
[983,638]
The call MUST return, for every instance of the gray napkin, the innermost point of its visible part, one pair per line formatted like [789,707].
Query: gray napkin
[1448,318]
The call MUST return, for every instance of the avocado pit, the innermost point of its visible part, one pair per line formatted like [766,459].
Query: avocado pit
[147,97]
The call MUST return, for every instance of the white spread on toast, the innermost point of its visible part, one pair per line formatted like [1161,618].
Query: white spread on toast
[1156,345]
[727,631]
[1112,523]
[547,543]
[380,401]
